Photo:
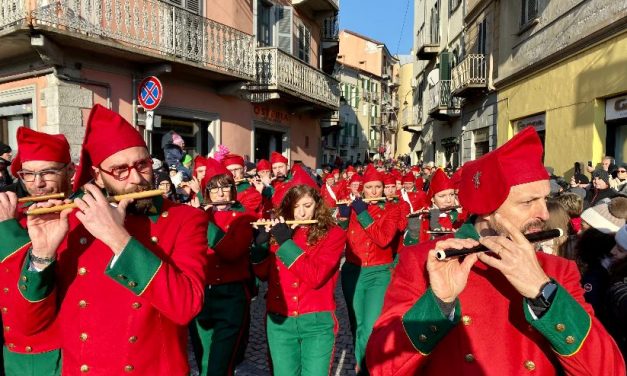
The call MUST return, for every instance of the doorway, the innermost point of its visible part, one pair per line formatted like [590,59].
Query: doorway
[267,141]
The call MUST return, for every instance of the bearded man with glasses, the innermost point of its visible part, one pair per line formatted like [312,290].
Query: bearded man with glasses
[122,282]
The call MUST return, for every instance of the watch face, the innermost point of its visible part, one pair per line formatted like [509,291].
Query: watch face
[549,290]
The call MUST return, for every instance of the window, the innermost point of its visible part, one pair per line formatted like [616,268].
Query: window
[191,5]
[264,24]
[529,11]
[274,25]
[453,4]
[283,26]
[482,36]
[304,43]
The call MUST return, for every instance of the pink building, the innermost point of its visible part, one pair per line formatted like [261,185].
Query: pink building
[252,75]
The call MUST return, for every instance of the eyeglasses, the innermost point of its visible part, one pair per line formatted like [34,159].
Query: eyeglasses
[622,171]
[48,174]
[123,172]
[224,189]
[165,185]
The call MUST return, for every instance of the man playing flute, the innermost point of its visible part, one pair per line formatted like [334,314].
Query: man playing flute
[121,282]
[508,312]
[43,167]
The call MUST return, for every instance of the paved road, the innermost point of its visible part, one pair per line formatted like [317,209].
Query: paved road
[256,354]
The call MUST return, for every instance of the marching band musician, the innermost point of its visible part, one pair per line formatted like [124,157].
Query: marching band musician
[124,281]
[220,331]
[247,193]
[330,191]
[371,229]
[511,311]
[301,268]
[444,213]
[43,166]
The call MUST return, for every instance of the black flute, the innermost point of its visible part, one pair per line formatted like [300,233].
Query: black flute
[533,238]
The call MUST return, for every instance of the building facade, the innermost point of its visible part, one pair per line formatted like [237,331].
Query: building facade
[252,75]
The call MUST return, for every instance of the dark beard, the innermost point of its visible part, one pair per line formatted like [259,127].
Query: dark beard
[140,206]
[280,178]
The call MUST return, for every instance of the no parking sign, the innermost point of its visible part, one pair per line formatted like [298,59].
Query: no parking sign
[150,93]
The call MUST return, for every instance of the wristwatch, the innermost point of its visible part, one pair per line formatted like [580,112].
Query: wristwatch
[545,297]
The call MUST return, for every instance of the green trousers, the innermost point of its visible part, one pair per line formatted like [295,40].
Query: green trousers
[41,364]
[220,331]
[364,290]
[302,345]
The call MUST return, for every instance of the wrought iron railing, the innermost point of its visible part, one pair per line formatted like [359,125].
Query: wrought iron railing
[11,12]
[277,70]
[150,25]
[331,28]
[469,72]
[428,35]
[440,97]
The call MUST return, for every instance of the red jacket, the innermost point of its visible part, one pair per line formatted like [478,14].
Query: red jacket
[131,316]
[445,220]
[229,236]
[302,278]
[248,196]
[371,234]
[327,197]
[492,332]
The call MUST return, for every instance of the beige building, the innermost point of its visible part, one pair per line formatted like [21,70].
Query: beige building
[368,83]
[252,75]
[409,113]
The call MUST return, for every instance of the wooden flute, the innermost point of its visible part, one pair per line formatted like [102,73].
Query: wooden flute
[289,222]
[219,203]
[348,202]
[117,198]
[534,237]
[41,198]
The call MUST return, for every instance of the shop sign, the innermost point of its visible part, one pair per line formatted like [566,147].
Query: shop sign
[616,108]
[270,115]
[536,121]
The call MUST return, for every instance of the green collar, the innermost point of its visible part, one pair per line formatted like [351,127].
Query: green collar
[467,230]
[238,207]
[243,186]
[155,210]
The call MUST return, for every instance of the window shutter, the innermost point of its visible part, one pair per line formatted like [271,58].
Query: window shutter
[284,24]
[357,96]
[445,66]
[193,6]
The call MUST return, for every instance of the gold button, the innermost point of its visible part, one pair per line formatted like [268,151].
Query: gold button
[132,339]
[154,239]
[5,290]
[4,309]
[294,313]
[84,368]
[530,365]
[132,284]
[422,338]
[24,278]
[84,337]
[469,358]
[467,320]
[217,266]
[164,214]
[23,287]
[7,328]
[28,349]
[277,297]
[570,340]
[83,241]
[82,271]
[129,368]
[560,327]
[136,305]
[218,279]
[434,328]
[295,284]
[294,298]
[11,346]
[121,276]
[82,303]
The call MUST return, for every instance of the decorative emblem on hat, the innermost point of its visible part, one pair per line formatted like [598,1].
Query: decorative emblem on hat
[476,179]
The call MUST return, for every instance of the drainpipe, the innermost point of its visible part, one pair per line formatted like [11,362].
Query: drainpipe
[86,81]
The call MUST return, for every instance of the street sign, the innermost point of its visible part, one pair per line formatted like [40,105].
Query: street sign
[150,116]
[150,93]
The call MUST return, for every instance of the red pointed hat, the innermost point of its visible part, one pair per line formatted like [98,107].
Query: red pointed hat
[350,168]
[38,146]
[439,182]
[371,174]
[214,168]
[106,134]
[277,158]
[263,165]
[389,179]
[299,177]
[457,178]
[199,161]
[408,178]
[231,159]
[486,182]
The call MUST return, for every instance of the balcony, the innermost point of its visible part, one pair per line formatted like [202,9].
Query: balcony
[345,141]
[428,41]
[469,76]
[411,119]
[441,103]
[280,75]
[318,5]
[143,31]
[330,43]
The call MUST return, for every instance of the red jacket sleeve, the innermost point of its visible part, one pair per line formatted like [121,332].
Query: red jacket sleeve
[382,230]
[236,242]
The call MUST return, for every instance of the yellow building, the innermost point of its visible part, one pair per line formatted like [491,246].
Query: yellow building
[409,114]
[573,105]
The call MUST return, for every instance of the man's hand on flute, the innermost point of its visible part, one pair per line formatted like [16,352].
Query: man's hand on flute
[47,231]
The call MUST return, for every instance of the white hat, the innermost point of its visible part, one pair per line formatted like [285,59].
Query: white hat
[600,218]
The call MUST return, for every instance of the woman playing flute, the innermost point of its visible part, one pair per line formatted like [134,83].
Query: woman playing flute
[220,331]
[301,266]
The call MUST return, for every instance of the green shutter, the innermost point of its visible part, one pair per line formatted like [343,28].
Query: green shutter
[445,66]
[357,96]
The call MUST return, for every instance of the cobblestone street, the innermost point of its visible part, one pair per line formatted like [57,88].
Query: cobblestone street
[256,361]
